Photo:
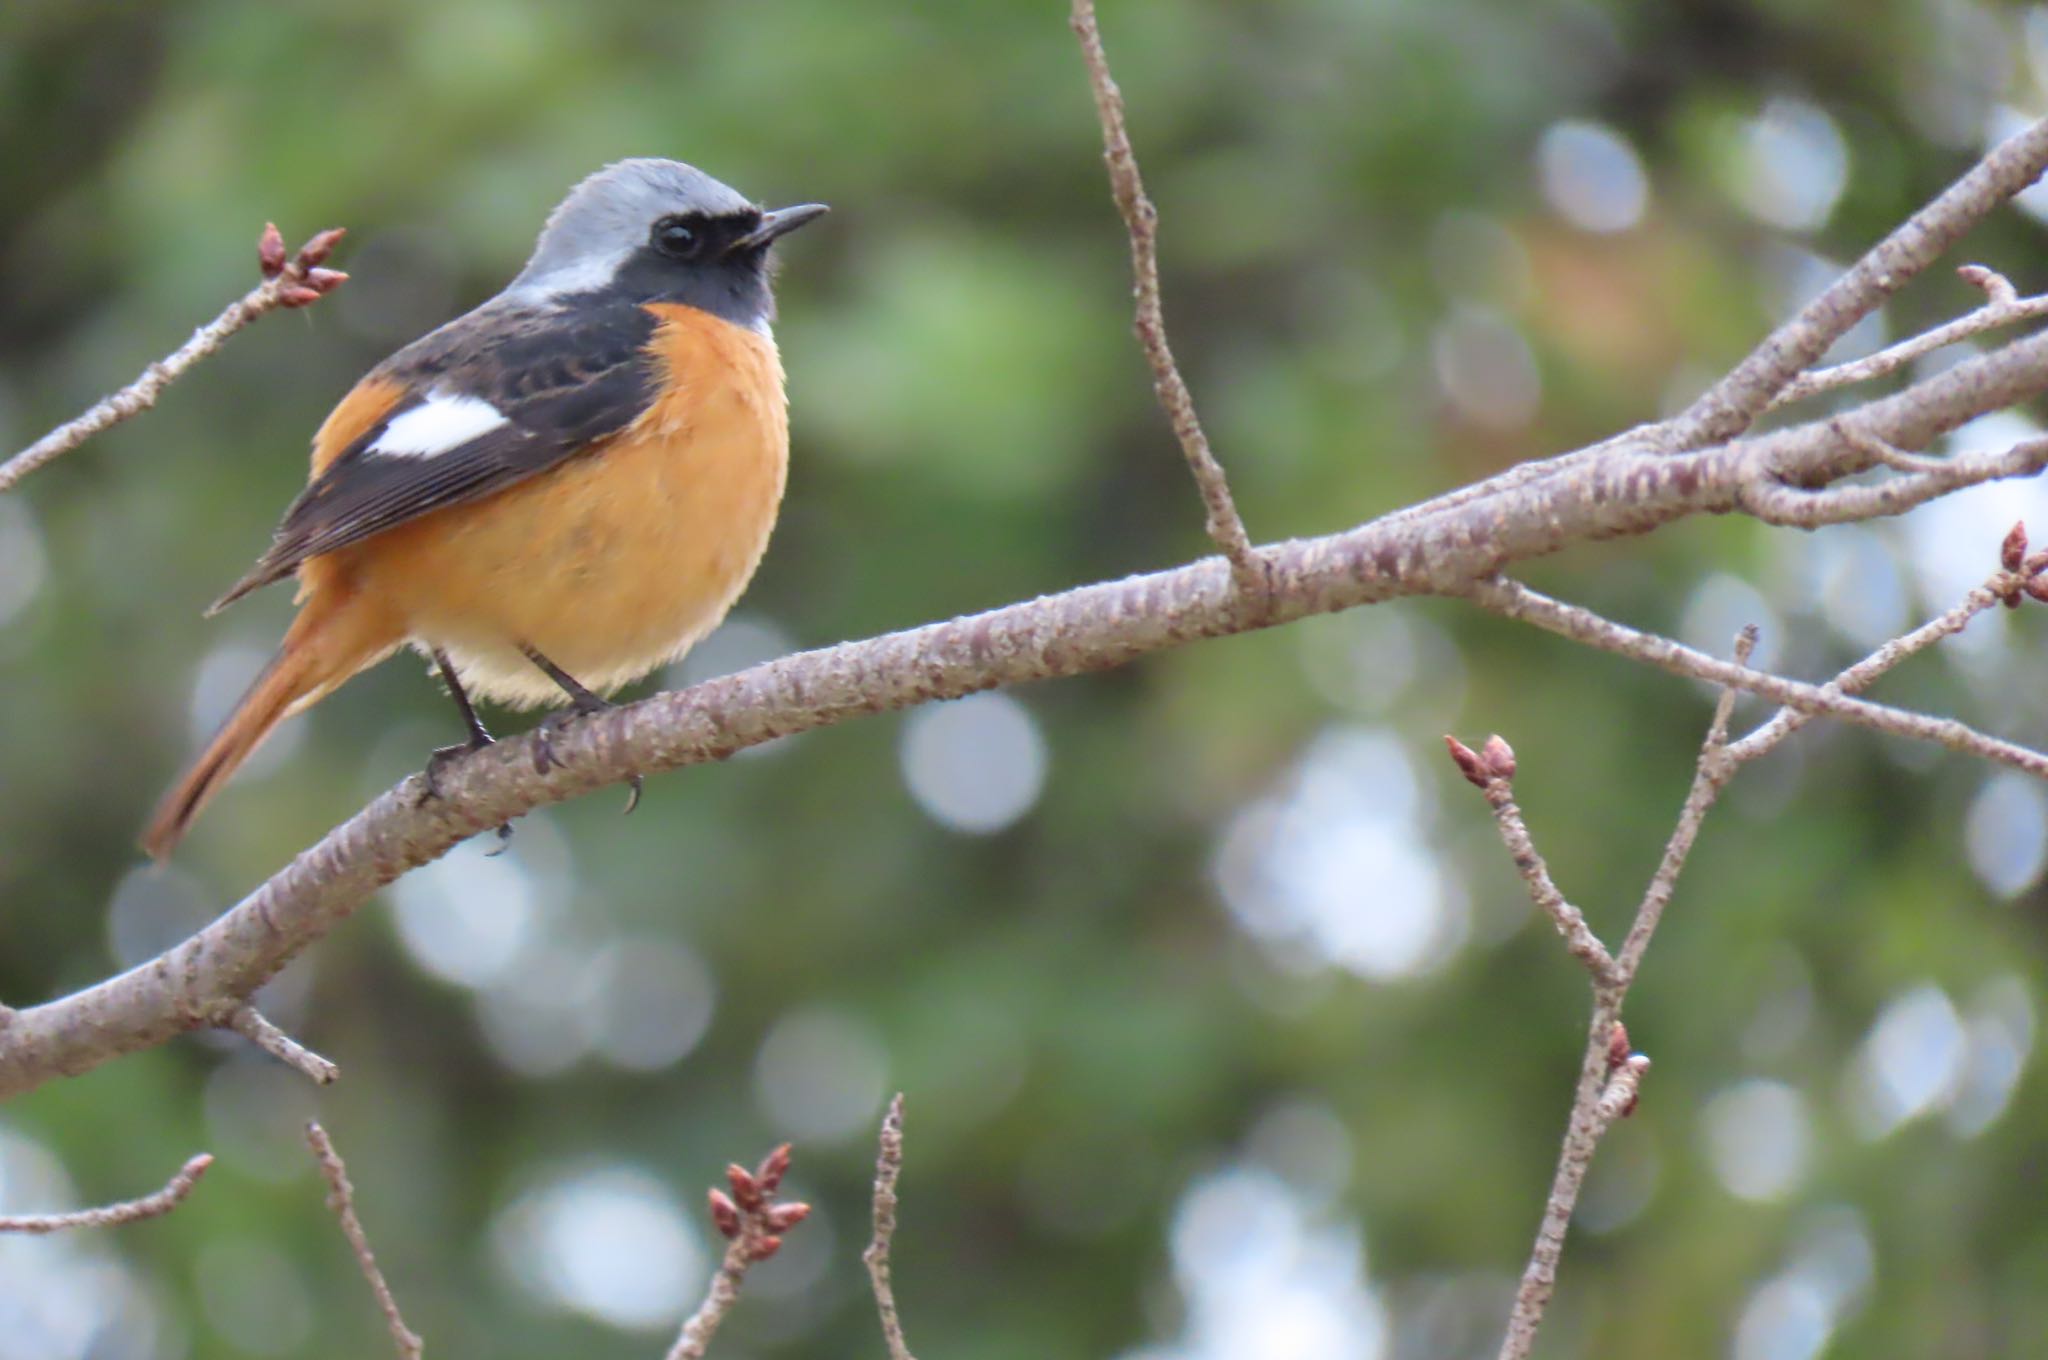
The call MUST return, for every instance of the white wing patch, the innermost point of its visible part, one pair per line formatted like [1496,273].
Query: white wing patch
[447,420]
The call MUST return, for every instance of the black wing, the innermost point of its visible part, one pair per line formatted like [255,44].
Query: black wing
[562,383]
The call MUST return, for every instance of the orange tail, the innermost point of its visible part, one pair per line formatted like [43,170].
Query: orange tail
[324,647]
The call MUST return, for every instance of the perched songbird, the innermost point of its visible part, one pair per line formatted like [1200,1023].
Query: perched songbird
[552,495]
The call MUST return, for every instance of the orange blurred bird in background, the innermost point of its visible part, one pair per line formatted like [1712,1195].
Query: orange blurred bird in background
[551,496]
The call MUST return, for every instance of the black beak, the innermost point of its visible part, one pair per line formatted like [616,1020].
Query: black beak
[781,222]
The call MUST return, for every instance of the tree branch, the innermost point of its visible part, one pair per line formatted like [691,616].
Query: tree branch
[2003,307]
[1141,220]
[1440,547]
[1517,601]
[888,1166]
[254,1026]
[1609,1075]
[1492,771]
[341,1199]
[295,282]
[113,1215]
[1727,408]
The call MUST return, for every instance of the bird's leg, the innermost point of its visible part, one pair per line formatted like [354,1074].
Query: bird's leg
[479,735]
[581,702]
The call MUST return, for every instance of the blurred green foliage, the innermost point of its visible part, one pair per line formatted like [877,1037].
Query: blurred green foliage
[1135,1121]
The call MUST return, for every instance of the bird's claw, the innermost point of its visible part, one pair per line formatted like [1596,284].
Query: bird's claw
[545,759]
[439,760]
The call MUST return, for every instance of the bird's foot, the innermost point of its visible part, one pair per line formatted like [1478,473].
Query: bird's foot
[544,757]
[438,762]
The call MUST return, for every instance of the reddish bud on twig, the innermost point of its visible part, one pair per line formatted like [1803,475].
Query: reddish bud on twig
[2037,589]
[2035,564]
[320,247]
[2014,550]
[270,251]
[1617,1046]
[1467,761]
[1499,757]
[772,1169]
[299,295]
[745,1188]
[325,280]
[766,1248]
[782,1217]
[724,1213]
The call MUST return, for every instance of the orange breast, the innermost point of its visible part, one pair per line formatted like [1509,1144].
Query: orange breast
[613,563]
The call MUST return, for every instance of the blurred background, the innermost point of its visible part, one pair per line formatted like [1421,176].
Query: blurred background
[1225,1027]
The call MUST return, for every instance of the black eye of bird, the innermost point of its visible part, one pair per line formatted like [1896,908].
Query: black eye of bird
[679,238]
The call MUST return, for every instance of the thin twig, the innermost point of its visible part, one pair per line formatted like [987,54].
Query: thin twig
[1583,1131]
[1711,773]
[1727,408]
[1141,219]
[1491,769]
[113,1215]
[1610,1076]
[888,1165]
[2004,307]
[1859,677]
[341,1199]
[752,1222]
[1776,502]
[294,282]
[1517,601]
[254,1026]
[1890,455]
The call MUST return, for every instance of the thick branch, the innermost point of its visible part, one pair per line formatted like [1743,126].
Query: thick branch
[293,282]
[1141,219]
[1440,547]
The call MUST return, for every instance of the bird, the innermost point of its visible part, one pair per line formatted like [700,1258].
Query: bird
[550,496]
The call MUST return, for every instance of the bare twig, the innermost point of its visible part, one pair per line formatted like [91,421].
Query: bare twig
[1775,502]
[1491,769]
[1141,219]
[753,1223]
[1583,1131]
[1711,773]
[113,1215]
[341,1200]
[888,1165]
[254,1026]
[1866,672]
[1728,407]
[1610,1075]
[2003,307]
[1898,460]
[294,282]
[1517,601]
